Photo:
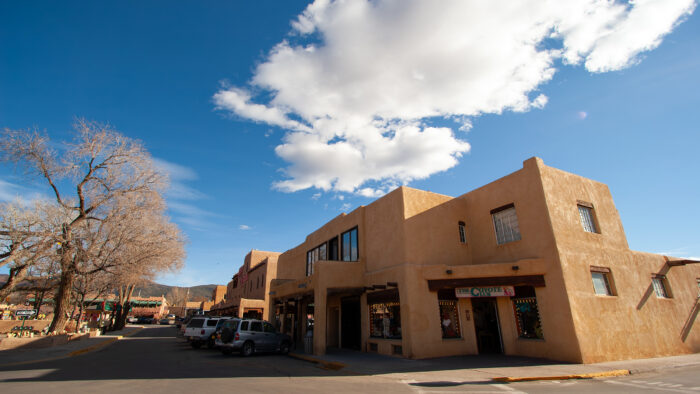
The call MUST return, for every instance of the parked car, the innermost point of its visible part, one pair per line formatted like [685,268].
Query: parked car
[132,319]
[145,320]
[199,331]
[170,319]
[250,336]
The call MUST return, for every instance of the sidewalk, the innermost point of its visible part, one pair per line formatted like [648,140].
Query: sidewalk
[70,349]
[486,368]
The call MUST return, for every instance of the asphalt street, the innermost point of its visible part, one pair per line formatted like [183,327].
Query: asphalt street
[155,361]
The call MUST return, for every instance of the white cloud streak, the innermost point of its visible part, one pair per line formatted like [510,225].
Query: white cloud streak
[359,83]
[186,212]
[244,227]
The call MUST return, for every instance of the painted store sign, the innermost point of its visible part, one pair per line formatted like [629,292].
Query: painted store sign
[493,291]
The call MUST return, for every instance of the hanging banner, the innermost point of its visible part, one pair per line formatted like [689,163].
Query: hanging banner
[493,291]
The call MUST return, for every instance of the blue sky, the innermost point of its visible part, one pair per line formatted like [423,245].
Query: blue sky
[257,112]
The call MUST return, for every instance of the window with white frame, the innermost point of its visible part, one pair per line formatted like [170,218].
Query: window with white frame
[505,221]
[660,286]
[602,281]
[585,212]
[462,233]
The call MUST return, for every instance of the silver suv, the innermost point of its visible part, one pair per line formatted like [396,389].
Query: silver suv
[200,331]
[250,336]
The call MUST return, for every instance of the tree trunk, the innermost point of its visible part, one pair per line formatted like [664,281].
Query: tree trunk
[80,311]
[125,303]
[62,301]
[38,301]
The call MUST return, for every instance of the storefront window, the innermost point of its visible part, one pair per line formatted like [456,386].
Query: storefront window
[449,318]
[527,315]
[385,320]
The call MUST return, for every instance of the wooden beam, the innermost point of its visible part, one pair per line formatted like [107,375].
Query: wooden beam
[525,280]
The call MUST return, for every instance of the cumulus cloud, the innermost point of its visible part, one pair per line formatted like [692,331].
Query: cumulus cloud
[359,84]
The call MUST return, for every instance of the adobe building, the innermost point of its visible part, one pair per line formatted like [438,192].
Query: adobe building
[535,264]
[247,293]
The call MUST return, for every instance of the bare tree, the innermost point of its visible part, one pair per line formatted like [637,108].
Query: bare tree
[177,296]
[87,288]
[102,171]
[28,242]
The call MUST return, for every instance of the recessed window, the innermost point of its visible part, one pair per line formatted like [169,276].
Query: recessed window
[660,286]
[505,221]
[349,245]
[601,281]
[527,315]
[462,233]
[384,314]
[587,215]
[449,318]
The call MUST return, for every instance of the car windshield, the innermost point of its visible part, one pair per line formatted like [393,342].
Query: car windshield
[232,324]
[221,323]
[196,323]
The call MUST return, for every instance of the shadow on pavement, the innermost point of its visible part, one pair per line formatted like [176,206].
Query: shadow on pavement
[155,353]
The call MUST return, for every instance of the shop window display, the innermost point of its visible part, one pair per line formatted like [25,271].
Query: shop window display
[527,316]
[385,320]
[449,319]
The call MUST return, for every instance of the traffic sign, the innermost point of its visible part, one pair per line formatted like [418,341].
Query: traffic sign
[25,312]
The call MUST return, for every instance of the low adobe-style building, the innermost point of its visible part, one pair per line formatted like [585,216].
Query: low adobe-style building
[247,293]
[535,264]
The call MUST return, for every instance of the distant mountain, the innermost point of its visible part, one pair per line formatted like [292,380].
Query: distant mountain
[152,289]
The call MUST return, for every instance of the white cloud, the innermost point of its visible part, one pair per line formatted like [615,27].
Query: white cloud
[360,83]
[243,227]
[186,212]
[8,191]
[316,196]
[582,115]
[345,207]
[21,194]
[178,175]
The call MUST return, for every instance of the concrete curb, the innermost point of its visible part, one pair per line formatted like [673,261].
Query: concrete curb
[606,374]
[331,365]
[76,352]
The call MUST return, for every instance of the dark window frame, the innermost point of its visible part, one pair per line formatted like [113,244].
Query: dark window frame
[462,232]
[357,241]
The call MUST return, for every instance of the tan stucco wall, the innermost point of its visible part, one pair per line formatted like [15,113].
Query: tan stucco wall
[411,236]
[634,323]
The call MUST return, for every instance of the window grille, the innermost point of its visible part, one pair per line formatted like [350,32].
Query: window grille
[506,223]
[587,221]
[462,233]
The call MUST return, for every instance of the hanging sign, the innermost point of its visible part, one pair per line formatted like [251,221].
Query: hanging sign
[493,291]
[25,312]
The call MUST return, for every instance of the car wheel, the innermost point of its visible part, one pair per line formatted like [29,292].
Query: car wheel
[196,344]
[247,349]
[226,351]
[284,348]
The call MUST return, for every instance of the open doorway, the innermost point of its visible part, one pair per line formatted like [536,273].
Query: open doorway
[350,328]
[486,324]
